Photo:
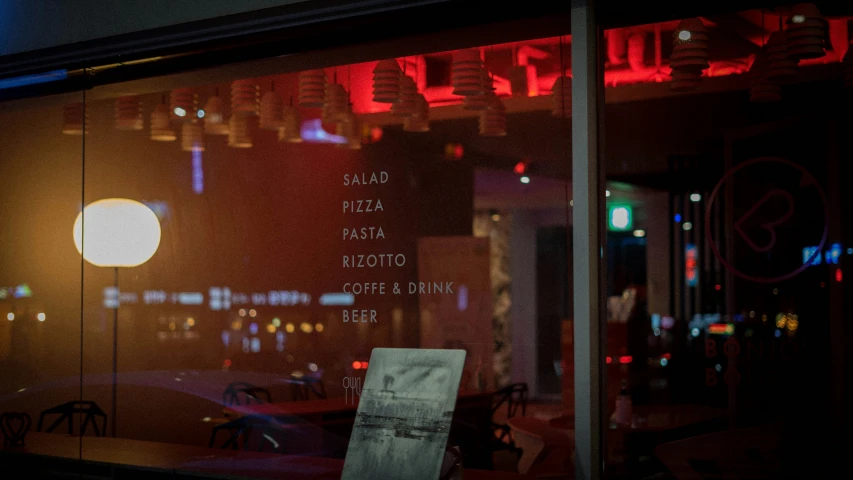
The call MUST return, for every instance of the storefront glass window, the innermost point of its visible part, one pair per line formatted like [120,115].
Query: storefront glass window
[726,244]
[41,181]
[301,267]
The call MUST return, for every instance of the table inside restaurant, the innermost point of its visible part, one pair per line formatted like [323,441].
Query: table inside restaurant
[470,429]
[334,408]
[50,455]
[632,446]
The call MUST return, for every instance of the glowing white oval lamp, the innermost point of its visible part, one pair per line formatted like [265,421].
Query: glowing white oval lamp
[119,233]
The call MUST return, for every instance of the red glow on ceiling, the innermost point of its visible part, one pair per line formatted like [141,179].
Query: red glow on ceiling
[838,275]
[626,359]
[609,360]
[638,54]
[718,287]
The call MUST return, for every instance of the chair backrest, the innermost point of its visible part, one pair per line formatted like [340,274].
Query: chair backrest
[514,397]
[266,436]
[91,413]
[242,393]
[302,388]
[251,432]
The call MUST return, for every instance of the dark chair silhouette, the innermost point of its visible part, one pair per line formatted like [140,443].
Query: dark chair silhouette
[515,398]
[254,432]
[242,393]
[90,410]
[303,387]
[257,395]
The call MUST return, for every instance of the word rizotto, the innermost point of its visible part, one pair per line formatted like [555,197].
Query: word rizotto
[372,260]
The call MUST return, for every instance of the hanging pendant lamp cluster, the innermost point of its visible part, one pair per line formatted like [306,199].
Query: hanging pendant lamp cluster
[392,85]
[406,101]
[466,73]
[245,98]
[215,122]
[129,113]
[806,33]
[161,128]
[192,137]
[493,118]
[386,81]
[238,132]
[350,127]
[74,117]
[290,130]
[780,65]
[472,81]
[804,38]
[179,114]
[271,112]
[183,103]
[419,120]
[336,105]
[762,88]
[183,108]
[312,88]
[690,54]
[480,102]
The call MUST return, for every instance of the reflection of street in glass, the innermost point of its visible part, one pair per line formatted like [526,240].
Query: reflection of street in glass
[352,387]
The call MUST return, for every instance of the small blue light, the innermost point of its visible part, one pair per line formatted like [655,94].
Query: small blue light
[677,218]
[777,333]
[808,253]
[834,253]
[656,320]
[663,362]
